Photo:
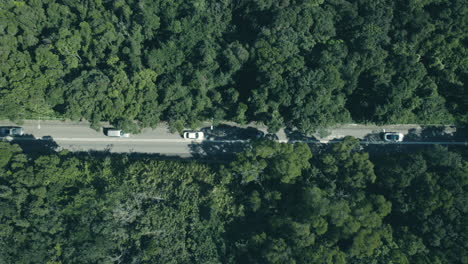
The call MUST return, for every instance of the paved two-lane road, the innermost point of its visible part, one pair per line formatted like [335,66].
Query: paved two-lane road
[78,136]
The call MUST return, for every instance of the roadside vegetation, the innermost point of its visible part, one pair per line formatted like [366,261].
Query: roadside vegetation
[301,64]
[275,203]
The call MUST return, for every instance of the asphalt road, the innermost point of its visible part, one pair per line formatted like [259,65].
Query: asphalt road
[227,138]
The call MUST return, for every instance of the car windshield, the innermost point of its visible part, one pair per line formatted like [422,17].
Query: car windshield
[393,137]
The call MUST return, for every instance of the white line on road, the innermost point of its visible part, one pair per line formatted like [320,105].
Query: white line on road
[147,140]
[155,140]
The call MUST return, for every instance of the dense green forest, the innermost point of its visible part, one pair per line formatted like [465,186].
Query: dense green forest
[275,203]
[303,64]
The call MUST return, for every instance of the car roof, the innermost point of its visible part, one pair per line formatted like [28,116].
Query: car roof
[393,136]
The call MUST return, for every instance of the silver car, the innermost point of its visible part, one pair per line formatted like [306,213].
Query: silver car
[11,131]
[117,133]
[393,137]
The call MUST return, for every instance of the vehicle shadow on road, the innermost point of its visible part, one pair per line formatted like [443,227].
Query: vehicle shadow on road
[35,147]
[105,129]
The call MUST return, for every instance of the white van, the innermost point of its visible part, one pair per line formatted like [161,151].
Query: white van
[117,133]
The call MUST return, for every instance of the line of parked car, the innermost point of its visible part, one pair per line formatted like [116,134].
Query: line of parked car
[14,131]
[193,135]
[198,135]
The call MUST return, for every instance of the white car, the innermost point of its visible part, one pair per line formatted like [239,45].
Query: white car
[117,133]
[393,137]
[195,135]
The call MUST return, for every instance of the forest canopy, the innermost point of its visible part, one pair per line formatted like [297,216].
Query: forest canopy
[275,203]
[302,64]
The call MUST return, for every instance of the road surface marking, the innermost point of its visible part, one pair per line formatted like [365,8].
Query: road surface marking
[155,140]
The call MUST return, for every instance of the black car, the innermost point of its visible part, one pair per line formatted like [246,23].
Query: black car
[11,131]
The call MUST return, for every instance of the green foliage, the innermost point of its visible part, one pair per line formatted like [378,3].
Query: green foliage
[298,64]
[7,152]
[337,209]
[295,209]
[274,203]
[270,161]
[60,209]
[428,192]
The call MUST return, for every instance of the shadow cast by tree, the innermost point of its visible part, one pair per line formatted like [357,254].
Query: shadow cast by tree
[295,135]
[436,133]
[35,147]
[227,132]
[373,137]
[215,150]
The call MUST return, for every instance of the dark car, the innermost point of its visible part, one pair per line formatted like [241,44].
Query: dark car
[11,131]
